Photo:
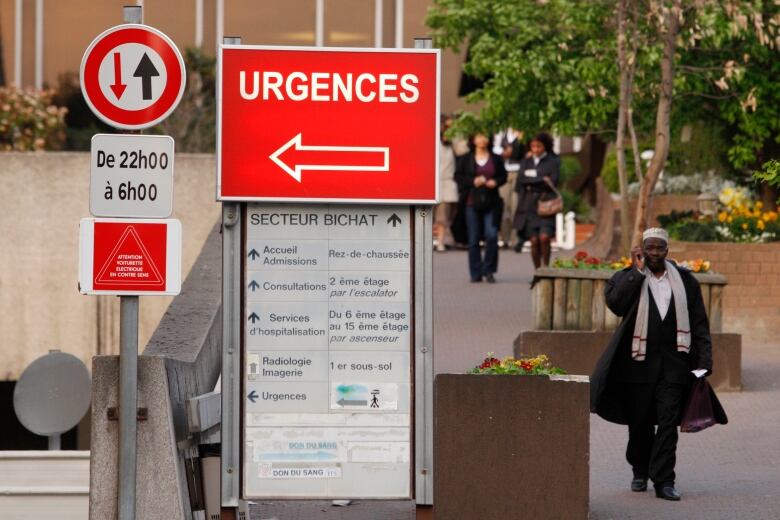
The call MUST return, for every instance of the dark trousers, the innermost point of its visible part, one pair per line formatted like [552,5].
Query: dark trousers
[482,224]
[652,451]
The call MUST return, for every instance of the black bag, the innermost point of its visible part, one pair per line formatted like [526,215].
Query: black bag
[703,409]
[483,199]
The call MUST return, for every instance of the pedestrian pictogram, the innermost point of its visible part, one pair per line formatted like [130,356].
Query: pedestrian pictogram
[132,76]
[130,256]
[375,398]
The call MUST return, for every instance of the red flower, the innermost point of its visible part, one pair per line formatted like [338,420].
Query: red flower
[581,255]
[592,260]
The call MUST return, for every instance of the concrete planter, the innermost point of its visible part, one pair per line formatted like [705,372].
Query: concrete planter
[511,447]
[578,351]
[573,299]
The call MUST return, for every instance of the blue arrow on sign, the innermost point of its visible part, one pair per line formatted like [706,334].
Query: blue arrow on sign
[252,396]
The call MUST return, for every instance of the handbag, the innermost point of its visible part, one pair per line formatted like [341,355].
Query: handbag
[703,409]
[549,207]
[483,198]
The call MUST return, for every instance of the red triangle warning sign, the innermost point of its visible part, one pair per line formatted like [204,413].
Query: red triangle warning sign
[129,263]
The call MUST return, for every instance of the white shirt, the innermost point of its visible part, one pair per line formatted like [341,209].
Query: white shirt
[537,159]
[661,290]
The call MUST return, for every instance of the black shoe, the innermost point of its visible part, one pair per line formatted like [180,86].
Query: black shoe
[518,247]
[476,280]
[667,492]
[639,484]
[490,278]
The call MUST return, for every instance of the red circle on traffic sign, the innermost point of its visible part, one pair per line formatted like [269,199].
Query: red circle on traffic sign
[106,109]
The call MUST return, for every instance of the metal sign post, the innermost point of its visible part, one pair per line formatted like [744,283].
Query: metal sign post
[327,385]
[132,77]
[128,377]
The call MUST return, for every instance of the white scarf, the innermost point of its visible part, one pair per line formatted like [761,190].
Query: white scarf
[639,341]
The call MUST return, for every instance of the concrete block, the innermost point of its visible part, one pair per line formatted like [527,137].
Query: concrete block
[159,471]
[510,447]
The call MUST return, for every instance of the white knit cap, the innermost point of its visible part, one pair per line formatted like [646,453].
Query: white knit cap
[655,232]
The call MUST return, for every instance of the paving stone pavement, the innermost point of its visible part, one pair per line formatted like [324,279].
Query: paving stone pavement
[727,472]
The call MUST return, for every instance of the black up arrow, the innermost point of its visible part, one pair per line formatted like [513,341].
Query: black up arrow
[145,71]
[253,317]
[394,220]
[252,396]
[253,254]
[254,285]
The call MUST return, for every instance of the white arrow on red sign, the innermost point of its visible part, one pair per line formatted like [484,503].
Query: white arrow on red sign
[322,158]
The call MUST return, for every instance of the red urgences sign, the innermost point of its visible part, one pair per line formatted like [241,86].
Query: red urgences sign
[327,125]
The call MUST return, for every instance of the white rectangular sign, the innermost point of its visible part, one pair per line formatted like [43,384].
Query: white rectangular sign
[131,176]
[327,351]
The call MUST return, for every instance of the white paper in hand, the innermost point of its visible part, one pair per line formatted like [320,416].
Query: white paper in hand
[699,373]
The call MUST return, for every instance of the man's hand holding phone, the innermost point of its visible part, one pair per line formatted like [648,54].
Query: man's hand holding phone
[636,258]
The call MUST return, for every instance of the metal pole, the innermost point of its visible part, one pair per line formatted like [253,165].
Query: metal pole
[55,443]
[18,19]
[231,346]
[39,44]
[319,23]
[132,14]
[378,23]
[199,23]
[423,342]
[128,376]
[399,23]
[128,402]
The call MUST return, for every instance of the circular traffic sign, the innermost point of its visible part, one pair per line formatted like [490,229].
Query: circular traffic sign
[132,76]
[53,394]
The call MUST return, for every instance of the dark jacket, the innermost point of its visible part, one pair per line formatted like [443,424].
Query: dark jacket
[466,171]
[530,190]
[622,298]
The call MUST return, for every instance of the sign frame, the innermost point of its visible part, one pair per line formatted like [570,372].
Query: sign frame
[327,200]
[100,104]
[172,261]
[411,238]
[96,190]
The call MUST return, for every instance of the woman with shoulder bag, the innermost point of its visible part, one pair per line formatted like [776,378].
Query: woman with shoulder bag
[536,183]
[479,173]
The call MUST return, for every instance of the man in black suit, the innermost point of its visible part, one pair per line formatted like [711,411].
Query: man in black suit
[661,346]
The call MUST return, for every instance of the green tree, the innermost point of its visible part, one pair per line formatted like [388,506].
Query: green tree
[545,65]
[576,66]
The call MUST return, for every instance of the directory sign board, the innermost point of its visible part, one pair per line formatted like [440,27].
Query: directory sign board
[327,351]
[131,176]
[328,125]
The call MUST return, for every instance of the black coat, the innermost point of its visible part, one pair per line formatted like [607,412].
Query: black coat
[622,297]
[466,171]
[530,190]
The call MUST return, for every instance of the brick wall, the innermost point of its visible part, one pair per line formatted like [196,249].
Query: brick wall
[664,204]
[751,300]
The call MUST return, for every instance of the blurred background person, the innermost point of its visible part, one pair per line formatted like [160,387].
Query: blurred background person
[538,171]
[448,190]
[480,173]
[509,145]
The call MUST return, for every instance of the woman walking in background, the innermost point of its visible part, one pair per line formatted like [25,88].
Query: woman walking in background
[538,175]
[479,173]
